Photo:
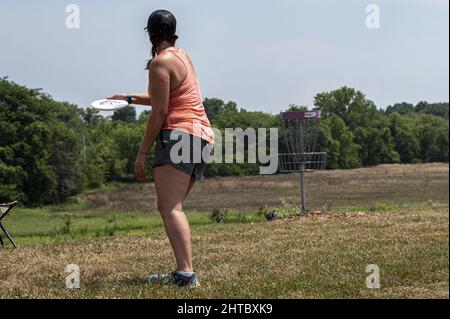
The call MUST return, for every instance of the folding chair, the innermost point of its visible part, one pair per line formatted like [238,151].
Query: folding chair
[4,210]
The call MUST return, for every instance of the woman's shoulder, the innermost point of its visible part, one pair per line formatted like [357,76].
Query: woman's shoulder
[158,61]
[162,59]
[169,59]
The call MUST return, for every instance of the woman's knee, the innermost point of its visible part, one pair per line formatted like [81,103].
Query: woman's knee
[169,210]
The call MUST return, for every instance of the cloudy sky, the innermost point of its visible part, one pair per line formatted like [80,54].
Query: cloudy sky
[262,54]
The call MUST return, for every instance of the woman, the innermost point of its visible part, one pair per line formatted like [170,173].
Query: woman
[177,111]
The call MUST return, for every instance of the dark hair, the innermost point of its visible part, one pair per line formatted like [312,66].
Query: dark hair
[161,26]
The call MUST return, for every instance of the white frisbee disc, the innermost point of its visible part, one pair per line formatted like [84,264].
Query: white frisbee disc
[109,105]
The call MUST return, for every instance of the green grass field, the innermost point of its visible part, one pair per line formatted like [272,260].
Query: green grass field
[394,216]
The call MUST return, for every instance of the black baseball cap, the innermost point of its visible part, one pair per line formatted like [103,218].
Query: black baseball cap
[162,21]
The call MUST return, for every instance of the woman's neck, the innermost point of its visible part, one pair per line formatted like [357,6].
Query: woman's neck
[162,46]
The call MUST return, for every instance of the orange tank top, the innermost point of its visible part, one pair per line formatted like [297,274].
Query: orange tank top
[186,111]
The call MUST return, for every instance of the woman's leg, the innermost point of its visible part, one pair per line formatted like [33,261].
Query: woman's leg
[172,187]
[191,183]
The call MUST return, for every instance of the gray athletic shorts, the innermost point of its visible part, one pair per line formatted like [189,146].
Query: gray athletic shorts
[183,154]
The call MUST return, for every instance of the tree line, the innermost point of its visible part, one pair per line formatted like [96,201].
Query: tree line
[52,150]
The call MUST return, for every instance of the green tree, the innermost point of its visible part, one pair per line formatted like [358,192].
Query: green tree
[213,108]
[401,108]
[38,146]
[339,144]
[368,125]
[127,139]
[438,109]
[51,150]
[91,116]
[405,136]
[433,137]
[127,115]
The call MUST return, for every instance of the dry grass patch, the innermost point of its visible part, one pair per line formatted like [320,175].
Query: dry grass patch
[296,258]
[326,190]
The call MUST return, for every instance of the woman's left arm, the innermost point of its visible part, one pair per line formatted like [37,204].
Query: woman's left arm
[159,85]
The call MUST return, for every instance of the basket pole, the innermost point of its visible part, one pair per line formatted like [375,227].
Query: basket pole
[302,168]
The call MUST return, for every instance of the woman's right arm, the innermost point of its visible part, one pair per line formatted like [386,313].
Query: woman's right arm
[136,98]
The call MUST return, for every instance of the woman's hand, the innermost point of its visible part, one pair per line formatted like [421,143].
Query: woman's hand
[120,96]
[136,98]
[139,166]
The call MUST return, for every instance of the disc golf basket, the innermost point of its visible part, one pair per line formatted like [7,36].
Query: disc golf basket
[300,132]
[4,210]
